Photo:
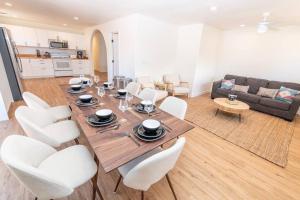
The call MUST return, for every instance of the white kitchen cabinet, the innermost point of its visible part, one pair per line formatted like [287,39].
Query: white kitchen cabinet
[30,36]
[16,33]
[81,67]
[37,68]
[80,42]
[26,68]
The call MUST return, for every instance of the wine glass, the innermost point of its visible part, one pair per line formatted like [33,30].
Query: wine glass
[129,97]
[101,91]
[148,108]
[90,82]
[96,79]
[123,106]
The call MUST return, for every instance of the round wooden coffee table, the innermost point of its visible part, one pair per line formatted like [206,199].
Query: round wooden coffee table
[237,107]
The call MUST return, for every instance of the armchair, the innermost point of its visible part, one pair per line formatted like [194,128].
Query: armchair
[147,82]
[175,85]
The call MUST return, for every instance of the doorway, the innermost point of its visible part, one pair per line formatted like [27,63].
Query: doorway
[99,55]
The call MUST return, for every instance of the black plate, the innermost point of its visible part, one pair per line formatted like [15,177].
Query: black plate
[93,120]
[139,108]
[94,101]
[120,96]
[70,90]
[139,132]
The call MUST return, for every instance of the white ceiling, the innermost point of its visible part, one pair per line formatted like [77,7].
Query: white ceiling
[229,14]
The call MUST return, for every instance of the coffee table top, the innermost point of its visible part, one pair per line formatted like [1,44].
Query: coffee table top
[223,104]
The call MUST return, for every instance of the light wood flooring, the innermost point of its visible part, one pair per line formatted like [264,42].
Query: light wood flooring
[209,167]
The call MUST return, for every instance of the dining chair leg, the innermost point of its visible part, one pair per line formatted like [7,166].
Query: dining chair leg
[142,195]
[76,140]
[35,198]
[171,186]
[95,181]
[119,180]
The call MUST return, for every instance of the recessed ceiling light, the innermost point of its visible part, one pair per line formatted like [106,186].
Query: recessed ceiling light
[213,8]
[76,18]
[65,24]
[242,25]
[8,4]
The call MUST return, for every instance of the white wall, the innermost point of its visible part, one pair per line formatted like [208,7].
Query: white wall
[273,55]
[207,61]
[5,93]
[127,29]
[156,45]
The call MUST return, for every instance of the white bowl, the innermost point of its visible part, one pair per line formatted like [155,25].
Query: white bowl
[104,113]
[76,87]
[85,98]
[107,84]
[151,124]
[146,102]
[122,91]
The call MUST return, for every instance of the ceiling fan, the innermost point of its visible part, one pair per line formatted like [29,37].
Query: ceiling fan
[264,25]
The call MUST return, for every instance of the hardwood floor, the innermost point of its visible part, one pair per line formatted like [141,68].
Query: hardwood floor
[209,167]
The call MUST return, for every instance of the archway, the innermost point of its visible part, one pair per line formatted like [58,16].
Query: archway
[99,55]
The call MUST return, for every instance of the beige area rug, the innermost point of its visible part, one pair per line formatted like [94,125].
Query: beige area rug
[264,135]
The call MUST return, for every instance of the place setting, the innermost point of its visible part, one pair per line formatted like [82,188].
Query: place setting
[76,89]
[103,118]
[121,94]
[146,107]
[86,100]
[149,130]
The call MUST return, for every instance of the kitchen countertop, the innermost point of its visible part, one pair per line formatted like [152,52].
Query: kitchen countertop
[33,56]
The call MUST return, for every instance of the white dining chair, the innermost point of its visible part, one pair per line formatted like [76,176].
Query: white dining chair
[75,81]
[133,88]
[40,125]
[148,94]
[149,168]
[174,106]
[35,102]
[45,172]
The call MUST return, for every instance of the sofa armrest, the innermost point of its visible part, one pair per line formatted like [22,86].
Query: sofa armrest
[216,85]
[295,104]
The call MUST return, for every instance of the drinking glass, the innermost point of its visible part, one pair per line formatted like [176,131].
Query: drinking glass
[148,108]
[96,79]
[123,106]
[129,97]
[90,82]
[101,91]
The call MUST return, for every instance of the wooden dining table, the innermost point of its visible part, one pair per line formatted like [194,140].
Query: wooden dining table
[115,148]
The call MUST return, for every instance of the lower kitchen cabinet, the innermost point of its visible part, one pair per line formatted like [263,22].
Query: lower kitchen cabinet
[37,68]
[81,67]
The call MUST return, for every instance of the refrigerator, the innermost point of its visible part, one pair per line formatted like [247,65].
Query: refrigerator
[12,64]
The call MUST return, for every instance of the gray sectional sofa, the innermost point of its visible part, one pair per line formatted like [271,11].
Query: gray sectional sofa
[263,104]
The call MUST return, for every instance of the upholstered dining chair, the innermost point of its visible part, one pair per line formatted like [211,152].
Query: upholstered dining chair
[133,88]
[175,85]
[45,172]
[174,106]
[148,94]
[42,126]
[149,168]
[147,82]
[35,102]
[75,81]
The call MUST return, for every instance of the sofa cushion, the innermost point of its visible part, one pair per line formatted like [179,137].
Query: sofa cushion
[255,84]
[247,97]
[278,84]
[239,80]
[286,94]
[241,88]
[267,92]
[274,103]
[227,84]
[224,92]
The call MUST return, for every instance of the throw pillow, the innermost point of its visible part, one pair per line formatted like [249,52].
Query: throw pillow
[286,94]
[227,84]
[267,92]
[241,88]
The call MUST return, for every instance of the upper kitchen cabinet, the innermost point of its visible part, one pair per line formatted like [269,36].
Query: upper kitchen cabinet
[30,36]
[42,38]
[80,42]
[17,34]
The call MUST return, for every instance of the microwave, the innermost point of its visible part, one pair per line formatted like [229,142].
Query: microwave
[58,45]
